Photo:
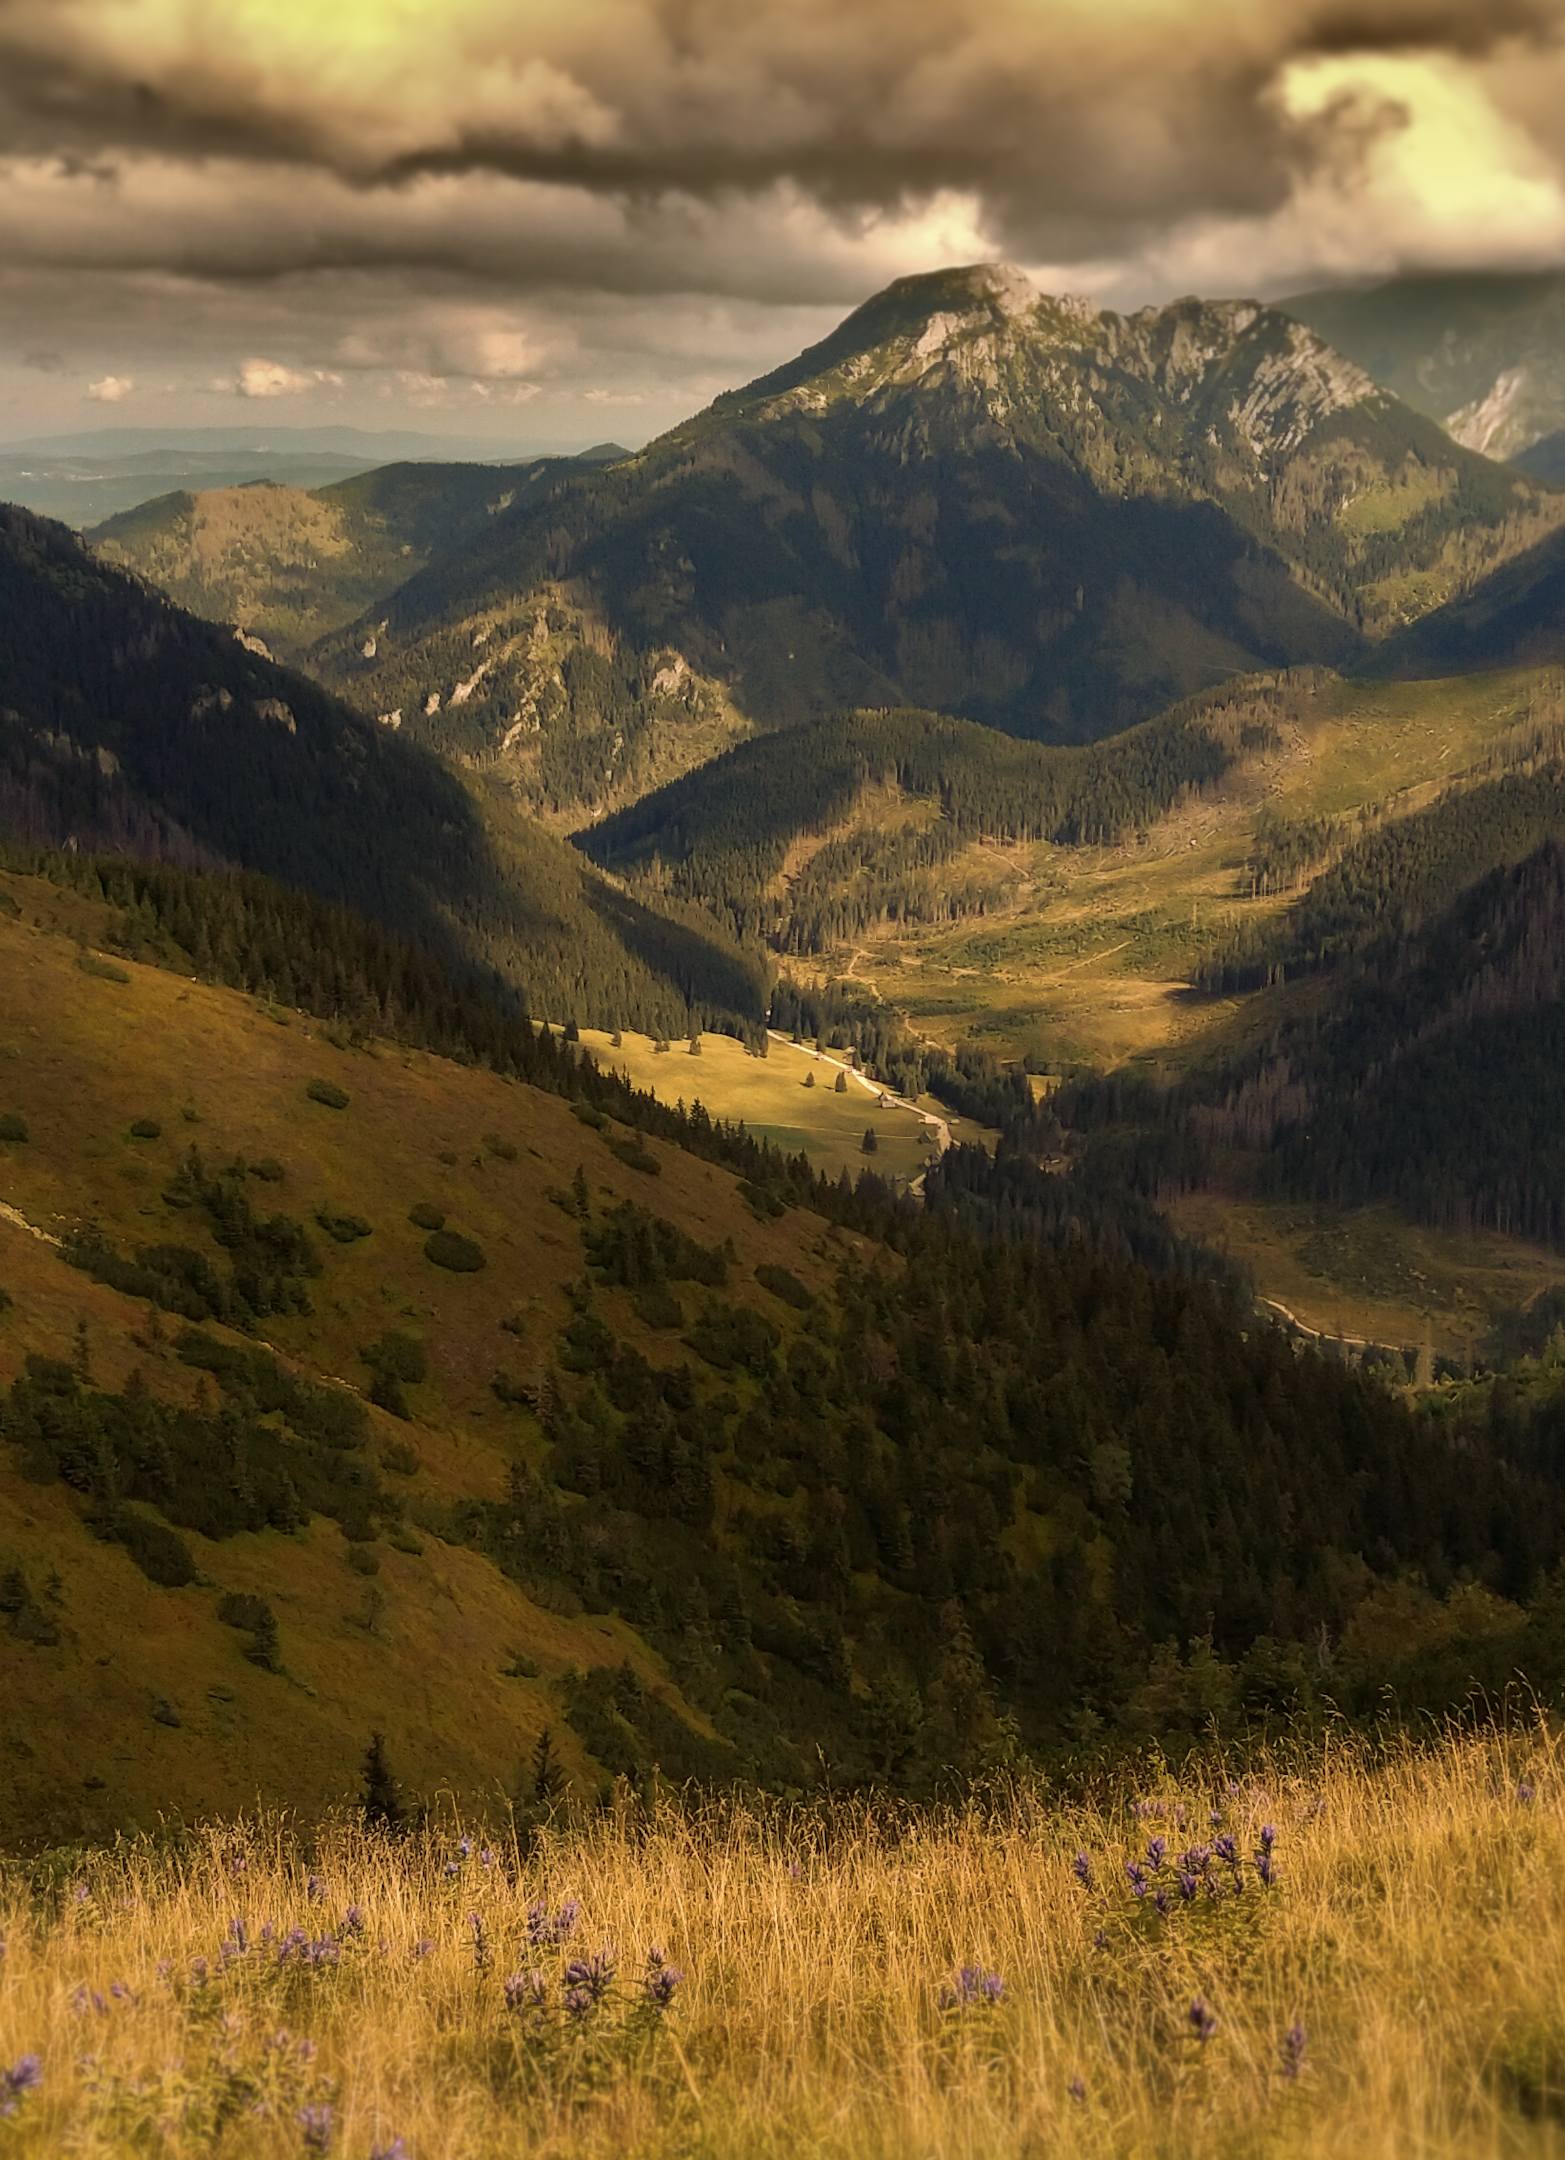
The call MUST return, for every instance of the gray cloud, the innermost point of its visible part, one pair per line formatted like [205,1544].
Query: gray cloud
[643,198]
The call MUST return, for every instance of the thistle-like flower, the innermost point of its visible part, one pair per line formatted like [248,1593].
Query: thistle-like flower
[1081,1868]
[315,2122]
[23,2076]
[660,1980]
[1203,2022]
[972,1986]
[1294,2042]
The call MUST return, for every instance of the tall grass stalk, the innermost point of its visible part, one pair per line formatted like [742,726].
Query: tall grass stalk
[1397,1990]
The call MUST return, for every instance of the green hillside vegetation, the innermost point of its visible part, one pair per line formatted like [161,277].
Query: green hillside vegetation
[700,1478]
[290,564]
[130,726]
[925,512]
[1513,618]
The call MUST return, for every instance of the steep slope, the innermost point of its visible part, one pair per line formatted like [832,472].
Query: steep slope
[128,725]
[289,564]
[1513,618]
[387,1392]
[970,498]
[1482,354]
[1432,1072]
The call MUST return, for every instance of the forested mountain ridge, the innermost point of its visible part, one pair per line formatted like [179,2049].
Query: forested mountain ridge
[128,725]
[801,838]
[737,1478]
[1515,617]
[971,498]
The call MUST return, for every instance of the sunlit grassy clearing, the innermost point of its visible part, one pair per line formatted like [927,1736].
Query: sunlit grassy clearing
[1086,958]
[1367,1273]
[770,1095]
[1412,1931]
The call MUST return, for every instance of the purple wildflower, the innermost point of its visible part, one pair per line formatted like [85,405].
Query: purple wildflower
[1197,1860]
[464,1846]
[1265,1869]
[315,1889]
[396,2150]
[1188,1884]
[972,1986]
[1156,1848]
[527,1993]
[1294,2042]
[1163,1902]
[486,1858]
[1268,1837]
[1524,1793]
[1136,1875]
[1081,1868]
[546,1930]
[1203,2022]
[660,1980]
[1226,1850]
[481,1952]
[315,2120]
[595,1974]
[1077,2088]
[1100,1941]
[23,2075]
[577,2001]
[353,1920]
[423,1946]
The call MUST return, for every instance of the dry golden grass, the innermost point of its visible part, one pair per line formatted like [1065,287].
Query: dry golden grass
[1414,1930]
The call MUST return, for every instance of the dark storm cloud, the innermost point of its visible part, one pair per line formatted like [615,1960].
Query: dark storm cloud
[1081,129]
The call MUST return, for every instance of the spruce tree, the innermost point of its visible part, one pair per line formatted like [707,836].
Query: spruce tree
[381,1802]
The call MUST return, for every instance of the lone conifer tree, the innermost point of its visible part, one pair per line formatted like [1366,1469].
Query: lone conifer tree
[382,1801]
[548,1778]
[871,1140]
[842,1083]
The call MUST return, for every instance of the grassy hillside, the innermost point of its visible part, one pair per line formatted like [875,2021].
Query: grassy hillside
[290,564]
[848,1983]
[90,1050]
[132,727]
[373,1388]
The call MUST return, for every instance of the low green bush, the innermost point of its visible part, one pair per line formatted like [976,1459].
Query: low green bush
[449,1249]
[425,1217]
[161,1553]
[783,1283]
[12,1127]
[343,1229]
[146,1128]
[328,1092]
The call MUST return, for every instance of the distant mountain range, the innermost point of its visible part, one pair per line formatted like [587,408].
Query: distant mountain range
[1482,354]
[102,472]
[971,498]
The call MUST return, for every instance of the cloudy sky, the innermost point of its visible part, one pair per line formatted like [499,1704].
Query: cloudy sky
[544,222]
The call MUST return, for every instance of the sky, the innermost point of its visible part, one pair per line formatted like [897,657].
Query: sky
[543,223]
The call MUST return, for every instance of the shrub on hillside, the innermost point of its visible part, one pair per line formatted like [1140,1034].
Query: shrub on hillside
[424,1217]
[12,1127]
[146,1128]
[328,1092]
[783,1283]
[449,1249]
[161,1553]
[343,1229]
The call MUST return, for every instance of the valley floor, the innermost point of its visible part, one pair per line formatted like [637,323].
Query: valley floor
[1354,1955]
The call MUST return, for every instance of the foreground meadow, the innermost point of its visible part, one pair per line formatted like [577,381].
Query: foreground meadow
[1325,1953]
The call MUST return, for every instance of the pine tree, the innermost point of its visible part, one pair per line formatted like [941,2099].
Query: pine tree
[842,1083]
[381,1803]
[548,1779]
[870,1143]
